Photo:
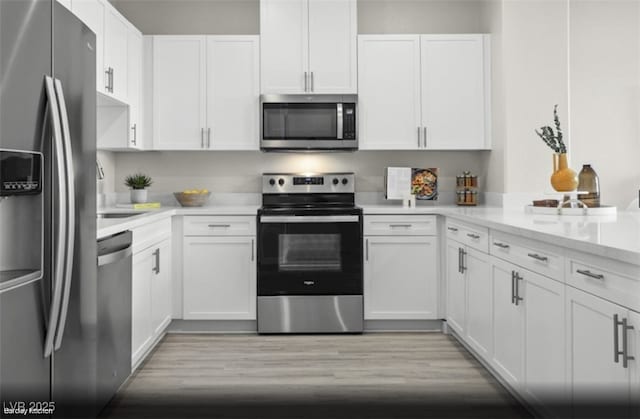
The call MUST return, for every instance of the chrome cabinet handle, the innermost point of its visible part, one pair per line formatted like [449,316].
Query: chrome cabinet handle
[419,142]
[208,137]
[201,137]
[252,250]
[107,79]
[516,296]
[473,236]
[589,274]
[452,229]
[306,89]
[134,128]
[112,79]
[462,255]
[538,257]
[501,245]
[312,81]
[425,137]
[400,225]
[366,247]
[220,225]
[625,343]
[156,269]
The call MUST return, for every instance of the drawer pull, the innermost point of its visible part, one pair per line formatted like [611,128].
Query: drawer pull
[220,225]
[590,274]
[473,236]
[452,229]
[400,225]
[538,257]
[501,245]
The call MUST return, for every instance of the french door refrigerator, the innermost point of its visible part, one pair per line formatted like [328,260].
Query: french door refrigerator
[48,272]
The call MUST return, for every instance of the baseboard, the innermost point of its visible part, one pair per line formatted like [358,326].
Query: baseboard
[402,326]
[212,326]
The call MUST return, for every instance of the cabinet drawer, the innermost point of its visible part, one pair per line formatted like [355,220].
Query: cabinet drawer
[149,234]
[609,279]
[473,236]
[219,226]
[400,225]
[536,256]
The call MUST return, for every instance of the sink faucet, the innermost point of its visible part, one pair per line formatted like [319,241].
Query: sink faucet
[99,170]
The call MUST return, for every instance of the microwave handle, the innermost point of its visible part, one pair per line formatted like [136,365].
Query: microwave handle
[340,121]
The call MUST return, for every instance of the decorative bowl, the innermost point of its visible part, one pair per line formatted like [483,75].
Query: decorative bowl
[192,199]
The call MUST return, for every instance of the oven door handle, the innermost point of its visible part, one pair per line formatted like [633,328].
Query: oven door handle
[279,219]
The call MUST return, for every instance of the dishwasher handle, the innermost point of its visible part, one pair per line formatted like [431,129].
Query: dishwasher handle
[114,257]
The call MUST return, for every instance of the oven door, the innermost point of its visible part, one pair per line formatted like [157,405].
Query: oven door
[310,255]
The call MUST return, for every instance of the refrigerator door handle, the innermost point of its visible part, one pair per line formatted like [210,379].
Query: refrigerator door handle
[71,213]
[58,267]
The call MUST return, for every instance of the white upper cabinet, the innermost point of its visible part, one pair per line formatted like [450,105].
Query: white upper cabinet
[308,46]
[389,92]
[455,94]
[116,30]
[179,94]
[205,92]
[233,91]
[91,13]
[134,87]
[428,92]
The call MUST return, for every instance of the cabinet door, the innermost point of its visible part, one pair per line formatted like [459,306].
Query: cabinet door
[544,344]
[219,278]
[454,93]
[141,329]
[179,95]
[284,52]
[479,323]
[161,287]
[332,46]
[593,374]
[508,332]
[456,289]
[233,92]
[115,52]
[389,92]
[134,87]
[634,350]
[400,278]
[91,13]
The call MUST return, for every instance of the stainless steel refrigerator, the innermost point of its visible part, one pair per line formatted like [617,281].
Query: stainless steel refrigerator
[48,273]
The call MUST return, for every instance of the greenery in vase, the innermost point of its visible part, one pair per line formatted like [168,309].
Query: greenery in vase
[138,181]
[553,140]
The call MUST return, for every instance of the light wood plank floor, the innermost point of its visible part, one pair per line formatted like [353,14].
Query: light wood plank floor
[385,375]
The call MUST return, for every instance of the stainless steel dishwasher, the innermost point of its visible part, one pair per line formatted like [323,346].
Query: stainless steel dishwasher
[114,315]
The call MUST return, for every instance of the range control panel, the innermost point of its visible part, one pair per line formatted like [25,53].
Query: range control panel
[308,183]
[20,172]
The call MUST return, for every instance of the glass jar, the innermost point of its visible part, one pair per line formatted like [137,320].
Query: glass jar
[589,183]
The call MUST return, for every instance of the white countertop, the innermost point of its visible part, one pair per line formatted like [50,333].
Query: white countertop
[616,237]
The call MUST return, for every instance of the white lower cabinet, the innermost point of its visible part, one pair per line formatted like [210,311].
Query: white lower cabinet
[151,288]
[529,332]
[219,272]
[597,347]
[400,268]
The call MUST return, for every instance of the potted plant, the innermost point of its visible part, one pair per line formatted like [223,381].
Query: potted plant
[138,182]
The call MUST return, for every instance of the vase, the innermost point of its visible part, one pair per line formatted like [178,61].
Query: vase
[589,183]
[138,196]
[563,179]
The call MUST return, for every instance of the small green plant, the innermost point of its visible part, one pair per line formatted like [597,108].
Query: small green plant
[553,140]
[138,181]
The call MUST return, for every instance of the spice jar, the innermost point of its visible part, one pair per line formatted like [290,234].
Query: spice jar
[467,189]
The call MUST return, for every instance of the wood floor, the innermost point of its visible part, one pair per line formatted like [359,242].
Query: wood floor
[385,375]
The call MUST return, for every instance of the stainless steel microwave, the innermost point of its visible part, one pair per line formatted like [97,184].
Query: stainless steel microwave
[301,122]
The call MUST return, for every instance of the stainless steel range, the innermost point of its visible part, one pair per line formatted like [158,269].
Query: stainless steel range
[309,254]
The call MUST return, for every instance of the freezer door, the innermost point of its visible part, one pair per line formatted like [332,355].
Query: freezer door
[75,357]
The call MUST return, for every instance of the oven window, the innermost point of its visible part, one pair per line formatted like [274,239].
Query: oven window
[309,252]
[300,121]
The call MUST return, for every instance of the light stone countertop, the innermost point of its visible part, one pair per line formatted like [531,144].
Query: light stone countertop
[616,237]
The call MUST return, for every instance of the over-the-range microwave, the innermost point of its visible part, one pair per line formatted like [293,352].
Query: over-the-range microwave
[303,122]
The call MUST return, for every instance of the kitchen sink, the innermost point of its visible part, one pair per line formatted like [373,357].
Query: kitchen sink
[109,215]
